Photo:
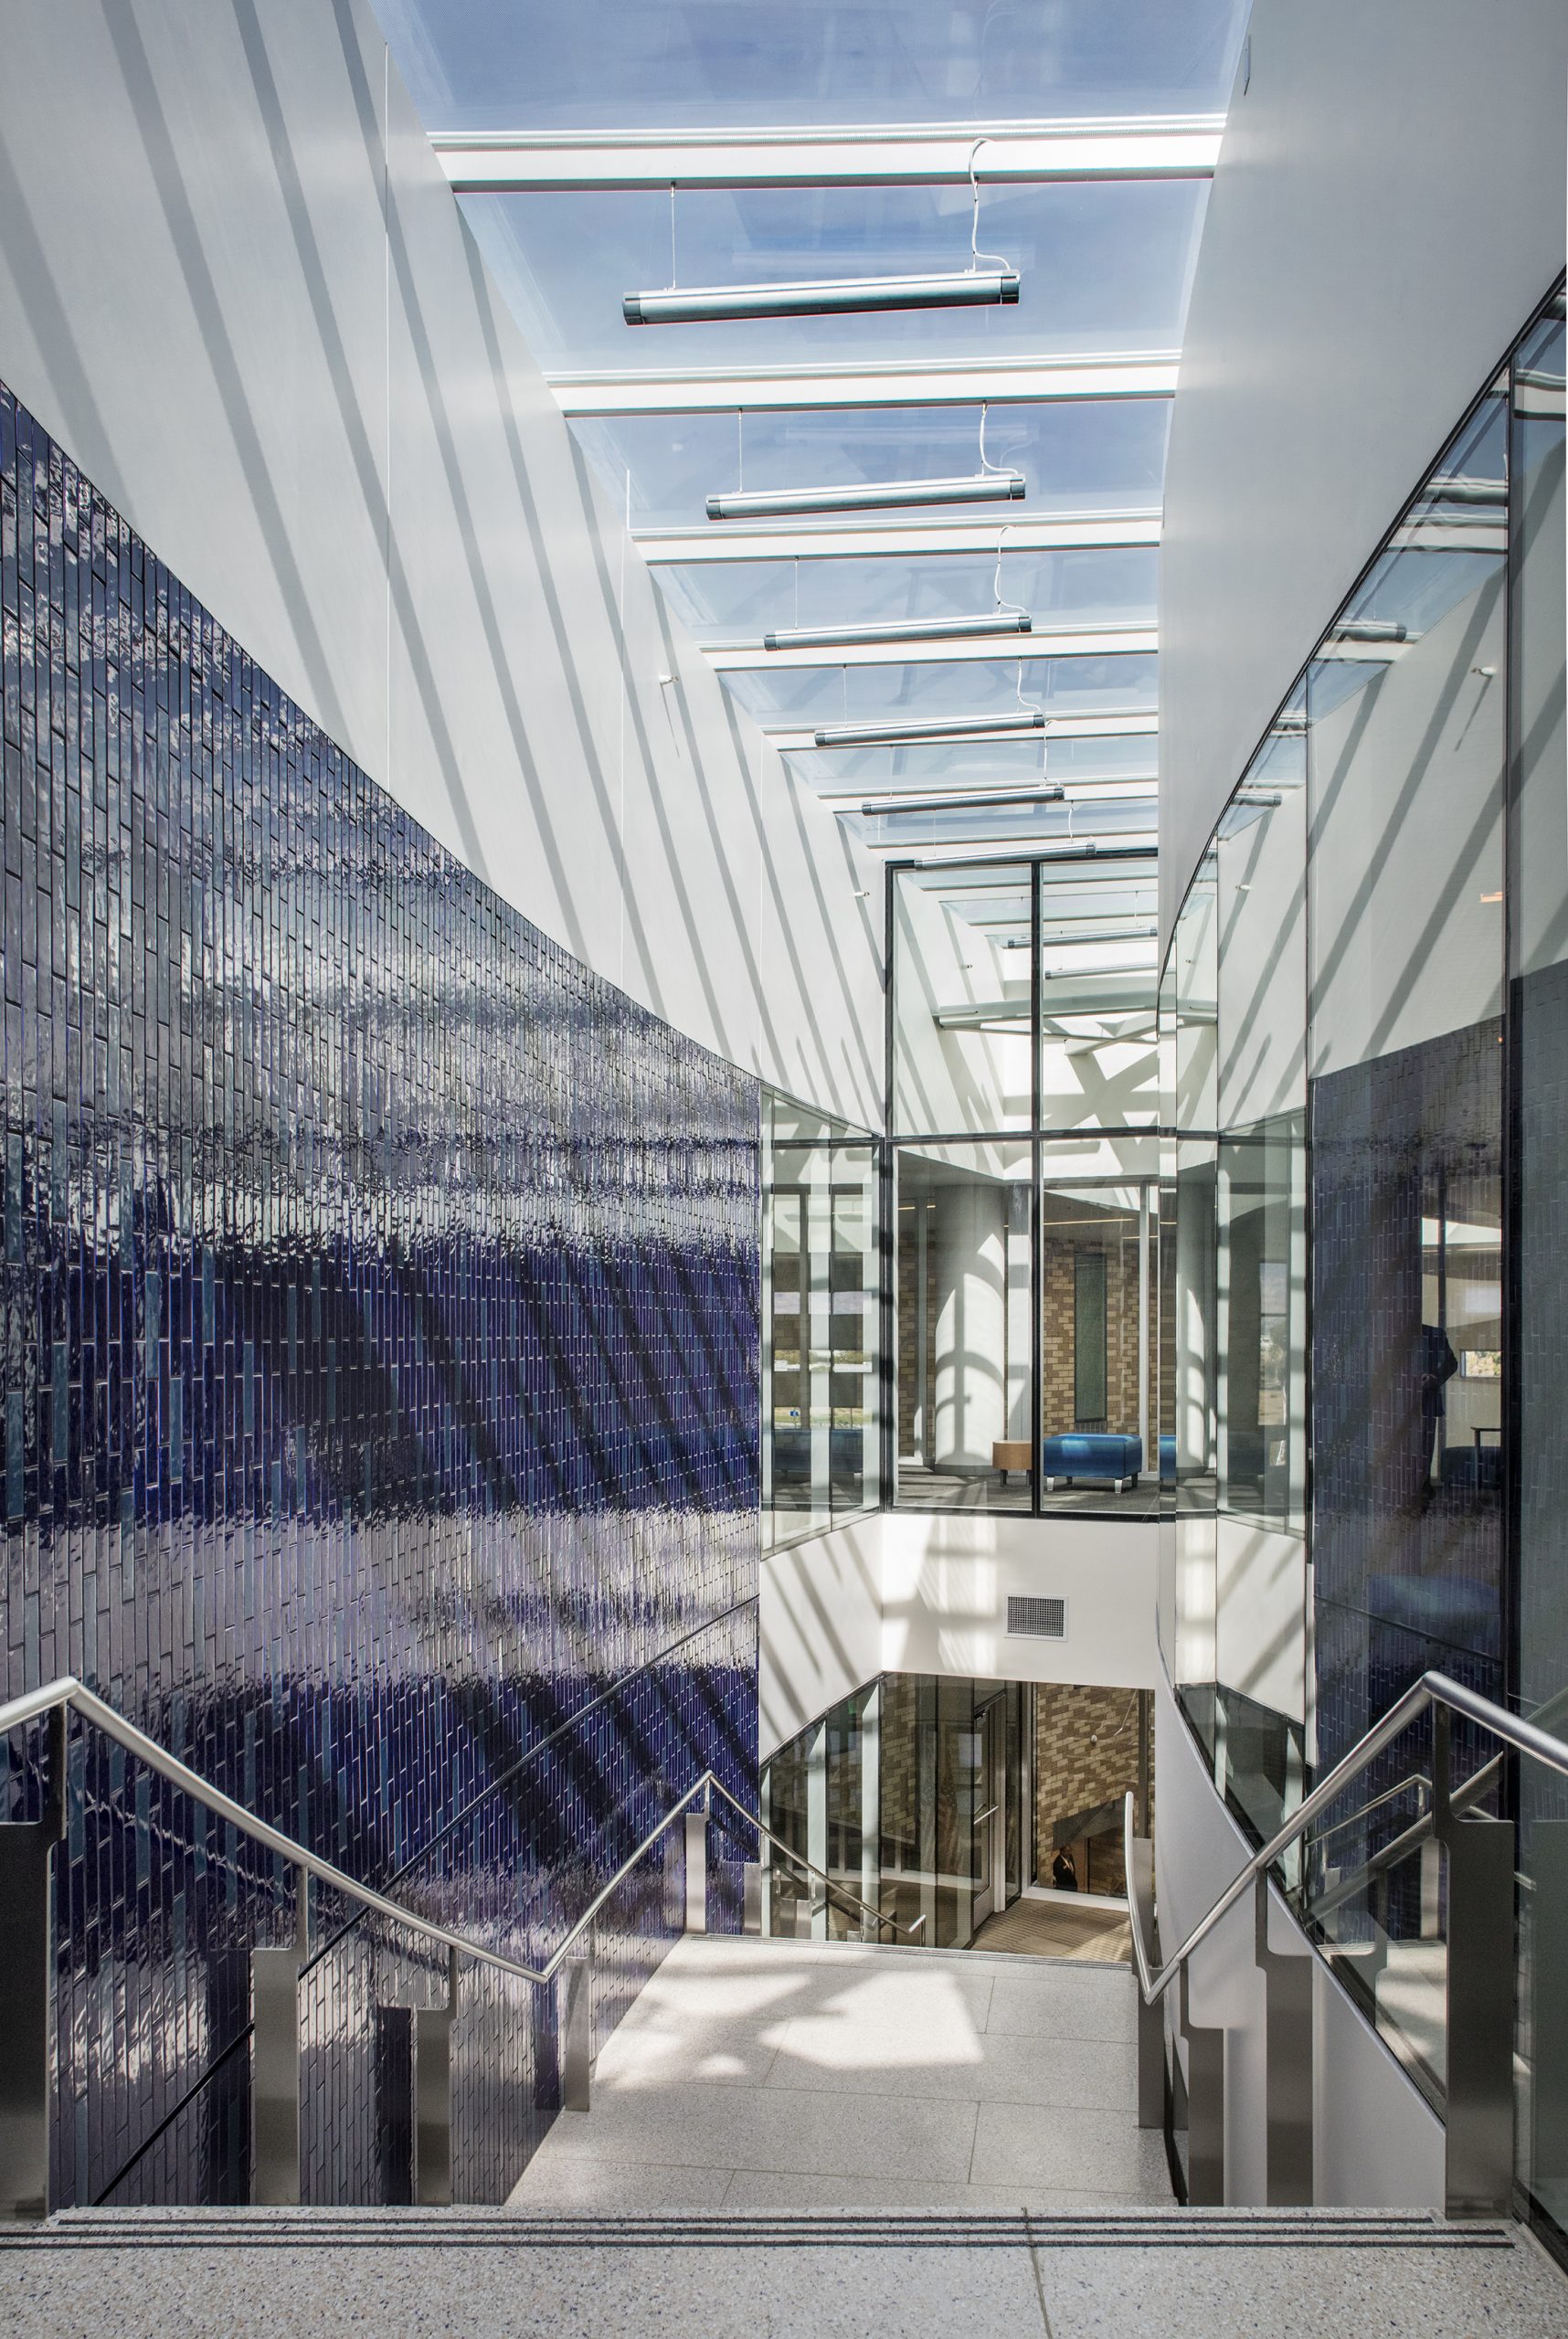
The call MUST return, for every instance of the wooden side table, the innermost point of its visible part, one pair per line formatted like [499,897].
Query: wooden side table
[1009,1453]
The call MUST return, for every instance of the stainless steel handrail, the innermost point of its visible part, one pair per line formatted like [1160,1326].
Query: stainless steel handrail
[1480,1784]
[69,1692]
[1417,1782]
[1432,1690]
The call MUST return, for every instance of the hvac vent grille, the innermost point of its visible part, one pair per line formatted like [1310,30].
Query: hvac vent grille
[1036,1620]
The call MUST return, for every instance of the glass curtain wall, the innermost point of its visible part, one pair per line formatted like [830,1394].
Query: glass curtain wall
[1363,1178]
[1026,1220]
[822,1285]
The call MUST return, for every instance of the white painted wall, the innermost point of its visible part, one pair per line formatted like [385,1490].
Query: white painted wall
[1376,2143]
[820,1622]
[236,287]
[1388,206]
[921,1592]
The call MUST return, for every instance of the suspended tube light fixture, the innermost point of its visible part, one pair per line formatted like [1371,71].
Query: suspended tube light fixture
[850,637]
[869,495]
[910,732]
[990,288]
[959,799]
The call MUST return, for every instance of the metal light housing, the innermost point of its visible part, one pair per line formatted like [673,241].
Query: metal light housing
[869,495]
[851,637]
[985,287]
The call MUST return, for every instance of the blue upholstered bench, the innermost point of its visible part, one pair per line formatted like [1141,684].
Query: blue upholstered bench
[1167,1461]
[1091,1454]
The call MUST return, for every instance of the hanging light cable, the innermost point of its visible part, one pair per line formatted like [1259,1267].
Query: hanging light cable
[993,286]
[992,483]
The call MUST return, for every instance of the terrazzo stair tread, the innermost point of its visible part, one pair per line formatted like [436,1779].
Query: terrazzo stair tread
[494,2274]
[1124,2227]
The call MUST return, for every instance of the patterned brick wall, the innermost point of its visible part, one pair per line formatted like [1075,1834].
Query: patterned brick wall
[379,1319]
[1087,1750]
[1058,1276]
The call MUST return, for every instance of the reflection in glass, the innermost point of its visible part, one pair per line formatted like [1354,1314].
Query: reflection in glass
[1538,1005]
[1340,1053]
[821,1284]
[964,1279]
[942,1801]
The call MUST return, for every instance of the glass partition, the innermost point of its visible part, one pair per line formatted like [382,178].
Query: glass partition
[965,1277]
[1364,1173]
[961,997]
[1536,1290]
[965,1811]
[822,1285]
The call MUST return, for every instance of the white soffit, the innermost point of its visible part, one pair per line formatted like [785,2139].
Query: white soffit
[479,162]
[993,649]
[798,389]
[1090,531]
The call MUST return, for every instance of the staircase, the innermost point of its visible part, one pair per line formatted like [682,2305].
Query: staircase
[830,2139]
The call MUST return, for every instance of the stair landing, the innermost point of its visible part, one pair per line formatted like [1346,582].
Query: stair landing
[775,2074]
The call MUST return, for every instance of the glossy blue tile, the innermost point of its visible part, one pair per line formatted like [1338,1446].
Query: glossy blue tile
[378,1315]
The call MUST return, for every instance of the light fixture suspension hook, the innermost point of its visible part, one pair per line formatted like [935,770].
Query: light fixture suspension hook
[976,255]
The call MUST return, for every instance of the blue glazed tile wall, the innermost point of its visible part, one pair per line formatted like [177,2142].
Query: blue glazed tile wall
[378,1292]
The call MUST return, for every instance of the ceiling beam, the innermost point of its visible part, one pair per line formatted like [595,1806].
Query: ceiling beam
[999,649]
[1087,532]
[797,389]
[533,161]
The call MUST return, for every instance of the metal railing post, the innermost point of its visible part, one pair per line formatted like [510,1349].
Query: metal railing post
[577,2034]
[1479,2074]
[27,1992]
[432,2124]
[696,1871]
[1206,2109]
[1287,2075]
[275,2064]
[1150,2014]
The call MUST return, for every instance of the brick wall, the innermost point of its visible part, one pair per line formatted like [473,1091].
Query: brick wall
[1086,1753]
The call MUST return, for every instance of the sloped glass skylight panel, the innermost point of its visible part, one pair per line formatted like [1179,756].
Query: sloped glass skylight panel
[829,694]
[658,64]
[983,763]
[1105,269]
[1080,455]
[738,600]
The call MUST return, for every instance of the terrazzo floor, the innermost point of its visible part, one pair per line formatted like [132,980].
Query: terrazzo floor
[247,2282]
[765,2074]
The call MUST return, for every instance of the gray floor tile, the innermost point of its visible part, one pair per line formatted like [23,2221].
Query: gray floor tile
[827,2053]
[575,2181]
[718,2053]
[1087,2150]
[812,2134]
[1063,2002]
